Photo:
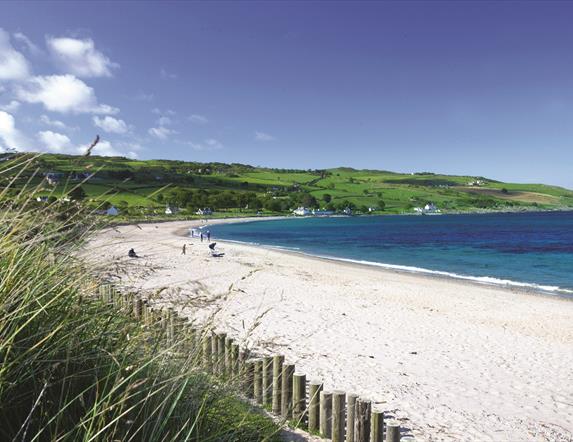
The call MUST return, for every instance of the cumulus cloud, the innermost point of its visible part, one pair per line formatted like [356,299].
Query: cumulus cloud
[62,93]
[111,124]
[13,65]
[164,121]
[32,48]
[80,57]
[44,119]
[161,132]
[54,141]
[168,112]
[198,119]
[103,148]
[208,144]
[261,136]
[13,106]
[11,137]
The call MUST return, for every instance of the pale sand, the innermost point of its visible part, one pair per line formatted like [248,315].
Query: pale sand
[452,360]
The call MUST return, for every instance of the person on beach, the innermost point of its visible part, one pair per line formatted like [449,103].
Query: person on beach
[208,236]
[132,254]
[201,236]
[184,249]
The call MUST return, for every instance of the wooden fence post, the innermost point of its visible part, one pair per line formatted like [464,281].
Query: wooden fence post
[338,415]
[258,381]
[393,431]
[326,414]
[314,406]
[377,426]
[138,308]
[235,360]
[277,371]
[221,337]
[215,353]
[249,378]
[299,399]
[228,357]
[351,403]
[286,390]
[267,380]
[207,352]
[362,409]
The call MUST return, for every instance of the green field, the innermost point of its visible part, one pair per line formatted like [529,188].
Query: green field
[145,188]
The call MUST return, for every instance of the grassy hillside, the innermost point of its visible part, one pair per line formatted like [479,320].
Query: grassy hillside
[144,188]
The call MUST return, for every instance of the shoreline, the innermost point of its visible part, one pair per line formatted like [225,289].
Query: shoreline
[451,360]
[515,287]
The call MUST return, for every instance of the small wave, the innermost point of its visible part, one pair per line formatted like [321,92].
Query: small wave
[489,280]
[481,279]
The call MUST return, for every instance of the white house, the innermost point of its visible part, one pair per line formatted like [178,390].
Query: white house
[428,208]
[205,211]
[318,212]
[347,211]
[302,211]
[171,210]
[431,208]
[112,211]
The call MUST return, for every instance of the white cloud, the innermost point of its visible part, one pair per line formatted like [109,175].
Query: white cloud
[160,132]
[103,148]
[80,57]
[164,121]
[13,106]
[32,48]
[208,144]
[261,136]
[10,135]
[54,141]
[198,119]
[62,93]
[13,65]
[167,75]
[55,123]
[168,112]
[111,124]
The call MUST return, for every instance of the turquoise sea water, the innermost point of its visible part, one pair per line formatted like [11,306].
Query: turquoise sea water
[518,249]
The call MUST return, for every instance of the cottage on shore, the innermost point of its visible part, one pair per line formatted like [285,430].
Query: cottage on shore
[302,211]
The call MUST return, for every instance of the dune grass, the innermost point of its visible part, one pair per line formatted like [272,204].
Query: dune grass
[75,368]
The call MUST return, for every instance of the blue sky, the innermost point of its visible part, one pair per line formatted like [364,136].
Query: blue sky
[482,88]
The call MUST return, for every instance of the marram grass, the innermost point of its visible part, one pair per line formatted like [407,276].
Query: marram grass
[74,368]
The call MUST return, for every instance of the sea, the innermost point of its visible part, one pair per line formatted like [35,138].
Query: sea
[529,250]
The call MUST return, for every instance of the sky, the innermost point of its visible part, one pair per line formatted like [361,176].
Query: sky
[471,88]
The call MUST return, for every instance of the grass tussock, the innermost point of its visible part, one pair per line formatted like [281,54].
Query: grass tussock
[75,368]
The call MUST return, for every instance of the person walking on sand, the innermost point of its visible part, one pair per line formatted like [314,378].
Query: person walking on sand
[184,249]
[208,236]
[201,236]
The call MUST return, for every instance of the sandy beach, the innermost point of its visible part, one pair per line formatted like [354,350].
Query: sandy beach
[452,360]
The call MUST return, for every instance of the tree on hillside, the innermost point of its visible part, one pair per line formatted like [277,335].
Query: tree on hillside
[381,204]
[327,197]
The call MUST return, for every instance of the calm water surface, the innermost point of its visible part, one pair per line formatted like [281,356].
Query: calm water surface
[520,249]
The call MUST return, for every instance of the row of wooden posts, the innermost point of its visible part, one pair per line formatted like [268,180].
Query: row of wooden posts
[269,381]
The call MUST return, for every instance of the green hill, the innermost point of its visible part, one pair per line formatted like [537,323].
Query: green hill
[143,188]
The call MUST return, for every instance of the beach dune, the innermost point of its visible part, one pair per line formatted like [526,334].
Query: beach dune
[452,360]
